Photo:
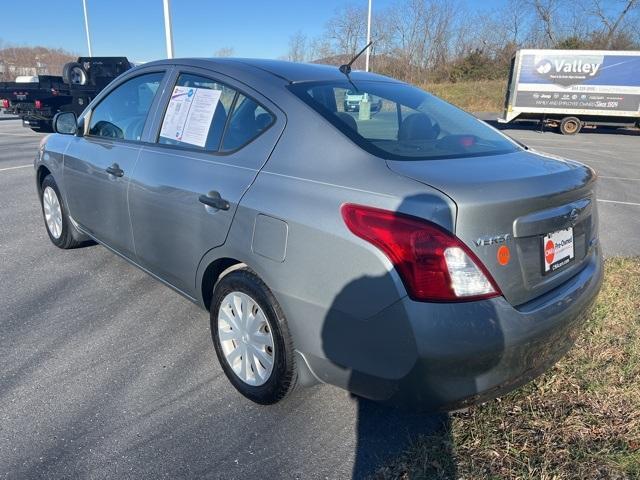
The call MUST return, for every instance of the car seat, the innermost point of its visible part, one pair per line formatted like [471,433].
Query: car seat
[418,126]
[349,120]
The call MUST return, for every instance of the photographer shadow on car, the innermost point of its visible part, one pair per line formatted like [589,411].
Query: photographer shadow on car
[382,359]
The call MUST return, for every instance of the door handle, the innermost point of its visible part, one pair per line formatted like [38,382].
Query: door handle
[115,170]
[214,200]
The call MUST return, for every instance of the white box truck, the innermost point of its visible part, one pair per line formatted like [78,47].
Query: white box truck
[573,88]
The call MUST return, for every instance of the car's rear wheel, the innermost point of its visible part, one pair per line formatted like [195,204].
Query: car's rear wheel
[251,338]
[56,219]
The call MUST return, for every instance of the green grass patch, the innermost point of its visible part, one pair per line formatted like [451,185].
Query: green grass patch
[473,96]
[581,420]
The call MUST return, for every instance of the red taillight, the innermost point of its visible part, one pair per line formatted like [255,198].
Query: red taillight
[430,260]
[5,103]
[38,104]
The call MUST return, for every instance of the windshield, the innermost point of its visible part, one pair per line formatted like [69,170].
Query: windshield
[398,121]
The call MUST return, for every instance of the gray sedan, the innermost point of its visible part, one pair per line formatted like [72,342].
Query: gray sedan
[408,253]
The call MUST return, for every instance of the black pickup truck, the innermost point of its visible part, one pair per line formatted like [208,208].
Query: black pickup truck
[38,101]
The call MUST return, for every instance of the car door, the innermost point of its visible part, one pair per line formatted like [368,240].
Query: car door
[186,187]
[99,164]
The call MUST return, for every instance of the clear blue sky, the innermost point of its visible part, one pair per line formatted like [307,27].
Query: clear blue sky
[258,28]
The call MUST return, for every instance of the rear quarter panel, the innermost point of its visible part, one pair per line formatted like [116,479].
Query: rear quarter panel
[328,275]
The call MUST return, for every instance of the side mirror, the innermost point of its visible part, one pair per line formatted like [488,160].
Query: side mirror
[65,123]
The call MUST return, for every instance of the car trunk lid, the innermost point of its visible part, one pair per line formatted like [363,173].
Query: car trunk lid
[515,200]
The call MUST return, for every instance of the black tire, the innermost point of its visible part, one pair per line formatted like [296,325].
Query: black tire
[65,240]
[284,374]
[74,73]
[570,125]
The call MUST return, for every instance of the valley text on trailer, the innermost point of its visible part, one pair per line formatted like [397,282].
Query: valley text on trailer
[573,88]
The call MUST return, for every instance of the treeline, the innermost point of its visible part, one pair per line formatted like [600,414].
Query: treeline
[16,61]
[446,41]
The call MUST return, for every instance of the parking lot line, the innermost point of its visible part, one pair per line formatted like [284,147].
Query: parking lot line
[16,134]
[14,168]
[621,203]
[620,178]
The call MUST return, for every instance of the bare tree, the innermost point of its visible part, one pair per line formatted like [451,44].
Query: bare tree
[347,29]
[224,52]
[409,36]
[320,48]
[516,20]
[545,11]
[297,47]
[434,40]
[612,21]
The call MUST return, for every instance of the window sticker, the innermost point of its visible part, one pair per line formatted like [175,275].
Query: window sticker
[189,115]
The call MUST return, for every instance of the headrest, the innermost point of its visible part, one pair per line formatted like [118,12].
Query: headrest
[418,126]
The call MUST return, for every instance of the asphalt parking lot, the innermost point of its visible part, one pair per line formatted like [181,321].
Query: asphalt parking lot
[106,373]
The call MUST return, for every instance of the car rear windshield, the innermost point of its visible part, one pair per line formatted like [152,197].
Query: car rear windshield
[398,121]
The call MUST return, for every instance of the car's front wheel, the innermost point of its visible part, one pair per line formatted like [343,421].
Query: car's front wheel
[251,338]
[56,219]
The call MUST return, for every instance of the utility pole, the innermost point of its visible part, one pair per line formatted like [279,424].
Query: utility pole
[167,28]
[368,38]
[86,26]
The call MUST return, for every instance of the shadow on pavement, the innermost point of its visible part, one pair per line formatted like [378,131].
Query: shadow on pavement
[384,432]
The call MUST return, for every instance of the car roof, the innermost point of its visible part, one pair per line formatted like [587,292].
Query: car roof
[291,72]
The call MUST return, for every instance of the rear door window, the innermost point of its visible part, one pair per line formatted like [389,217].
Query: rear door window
[197,113]
[123,112]
[248,120]
[205,114]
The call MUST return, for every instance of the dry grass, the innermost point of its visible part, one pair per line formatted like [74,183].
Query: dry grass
[581,420]
[475,96]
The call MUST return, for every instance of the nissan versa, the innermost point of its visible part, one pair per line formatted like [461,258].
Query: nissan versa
[408,253]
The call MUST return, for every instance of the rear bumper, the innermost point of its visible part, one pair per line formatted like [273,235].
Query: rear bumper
[466,353]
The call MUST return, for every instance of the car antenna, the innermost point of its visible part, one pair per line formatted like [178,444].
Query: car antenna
[346,68]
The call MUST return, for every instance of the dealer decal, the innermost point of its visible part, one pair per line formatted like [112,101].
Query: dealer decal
[557,249]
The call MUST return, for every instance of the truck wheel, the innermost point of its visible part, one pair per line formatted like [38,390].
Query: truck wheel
[74,74]
[570,125]
[251,338]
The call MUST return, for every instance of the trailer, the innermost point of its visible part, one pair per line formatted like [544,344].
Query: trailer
[571,89]
[37,99]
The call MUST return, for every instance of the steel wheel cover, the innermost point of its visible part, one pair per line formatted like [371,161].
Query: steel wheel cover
[246,339]
[52,212]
